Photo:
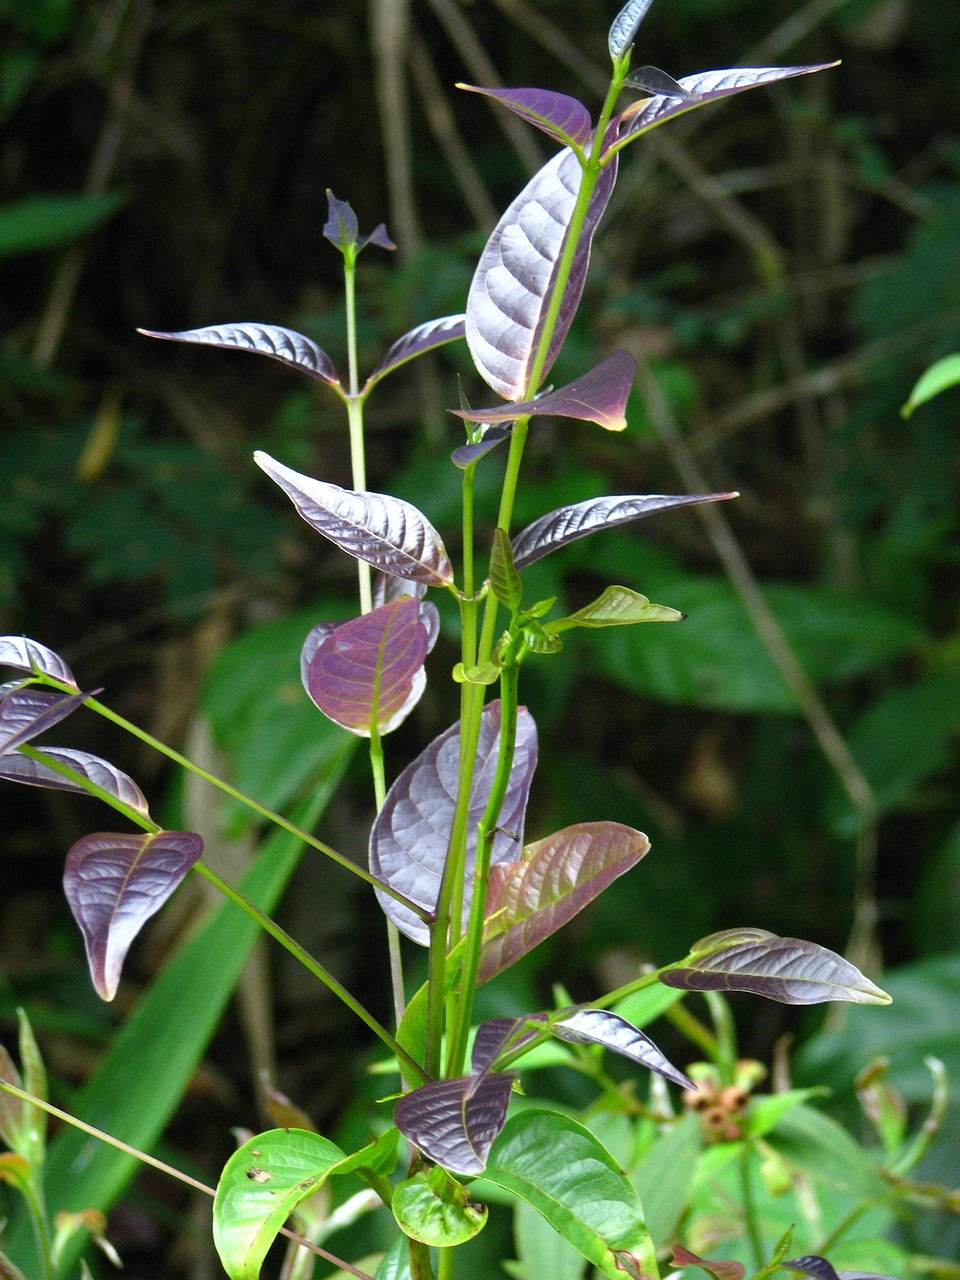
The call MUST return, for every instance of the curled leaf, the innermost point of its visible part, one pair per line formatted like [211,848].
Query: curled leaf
[18,768]
[477,449]
[454,1122]
[625,26]
[653,80]
[436,1209]
[26,712]
[272,340]
[425,337]
[32,658]
[598,396]
[557,114]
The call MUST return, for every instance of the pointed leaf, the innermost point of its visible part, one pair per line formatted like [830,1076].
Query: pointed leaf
[454,1122]
[504,579]
[363,673]
[511,289]
[557,114]
[566,524]
[476,449]
[114,883]
[719,1270]
[436,1209]
[600,1026]
[616,607]
[32,658]
[702,88]
[34,1132]
[27,712]
[17,768]
[12,1117]
[941,375]
[786,969]
[820,1269]
[386,532]
[425,337]
[558,1166]
[15,1170]
[408,843]
[555,878]
[625,26]
[497,1034]
[286,345]
[653,80]
[599,396]
[341,227]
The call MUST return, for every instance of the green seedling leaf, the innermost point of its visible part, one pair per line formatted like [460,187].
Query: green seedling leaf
[504,579]
[883,1106]
[271,340]
[766,1110]
[941,375]
[789,970]
[425,337]
[114,883]
[718,1269]
[599,396]
[16,1171]
[436,1209]
[12,1117]
[561,1170]
[625,26]
[664,1175]
[539,640]
[34,659]
[486,674]
[454,1122]
[35,1083]
[540,1250]
[557,114]
[44,222]
[35,773]
[617,607]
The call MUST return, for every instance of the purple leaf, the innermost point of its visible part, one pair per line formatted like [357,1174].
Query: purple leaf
[454,1122]
[557,114]
[786,969]
[114,884]
[654,81]
[511,289]
[408,843]
[388,533]
[363,673]
[625,26]
[286,345]
[26,712]
[477,449]
[599,1026]
[342,230]
[719,1269]
[555,878]
[18,768]
[33,658]
[599,396]
[820,1269]
[704,87]
[566,524]
[425,337]
[495,1035]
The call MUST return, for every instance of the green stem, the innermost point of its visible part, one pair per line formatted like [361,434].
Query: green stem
[726,1049]
[420,1265]
[694,1030]
[749,1206]
[354,402]
[32,1193]
[393,933]
[445,1260]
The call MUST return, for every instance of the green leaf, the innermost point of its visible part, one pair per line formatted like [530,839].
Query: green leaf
[396,1262]
[35,1082]
[43,222]
[561,1170]
[541,1251]
[646,1005]
[486,673]
[766,1110]
[824,1150]
[504,579]
[616,607]
[941,375]
[434,1207]
[664,1176]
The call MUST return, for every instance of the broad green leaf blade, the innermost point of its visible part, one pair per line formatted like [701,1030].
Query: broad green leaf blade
[34,773]
[390,534]
[30,657]
[504,579]
[44,222]
[790,970]
[25,713]
[425,337]
[561,1170]
[625,26]
[396,1262]
[454,1122]
[557,114]
[541,1250]
[941,375]
[616,607]
[826,1152]
[664,1175]
[555,879]
[261,1185]
[599,396]
[284,345]
[600,1026]
[436,1209]
[114,883]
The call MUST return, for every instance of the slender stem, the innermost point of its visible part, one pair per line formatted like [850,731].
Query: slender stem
[726,1052]
[420,1265]
[354,402]
[32,1192]
[620,993]
[393,933]
[750,1206]
[694,1030]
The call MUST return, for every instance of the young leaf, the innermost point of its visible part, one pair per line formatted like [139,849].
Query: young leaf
[720,1270]
[504,579]
[557,114]
[388,533]
[786,969]
[364,672]
[33,658]
[514,281]
[114,883]
[497,1034]
[555,879]
[342,229]
[12,1117]
[600,396]
[599,1026]
[408,843]
[941,375]
[436,1209]
[820,1269]
[425,337]
[616,607]
[17,768]
[476,449]
[559,1167]
[454,1122]
[566,524]
[286,345]
[27,712]
[625,26]
[654,81]
[34,1132]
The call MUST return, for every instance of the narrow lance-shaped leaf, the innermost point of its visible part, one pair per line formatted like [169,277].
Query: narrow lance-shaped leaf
[599,396]
[557,114]
[941,376]
[386,532]
[436,1209]
[30,657]
[497,1034]
[272,340]
[600,1026]
[616,607]
[114,883]
[625,26]
[425,337]
[454,1122]
[17,768]
[555,878]
[566,524]
[790,970]
[504,579]
[27,712]
[12,1117]
[477,449]
[408,843]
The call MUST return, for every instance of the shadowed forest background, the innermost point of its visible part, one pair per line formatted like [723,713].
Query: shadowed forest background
[783,268]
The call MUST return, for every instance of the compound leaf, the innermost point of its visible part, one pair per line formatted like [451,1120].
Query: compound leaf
[286,345]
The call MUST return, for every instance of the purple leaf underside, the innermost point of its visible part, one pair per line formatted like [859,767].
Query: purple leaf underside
[557,114]
[27,712]
[566,524]
[408,843]
[114,883]
[720,1269]
[496,1034]
[820,1269]
[625,25]
[789,970]
[599,1026]
[514,281]
[272,340]
[599,396]
[30,657]
[455,1122]
[364,672]
[341,227]
[654,81]
[386,532]
[18,768]
[473,452]
[425,337]
[555,879]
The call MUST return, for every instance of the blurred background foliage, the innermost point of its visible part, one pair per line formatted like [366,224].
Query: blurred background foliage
[783,268]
